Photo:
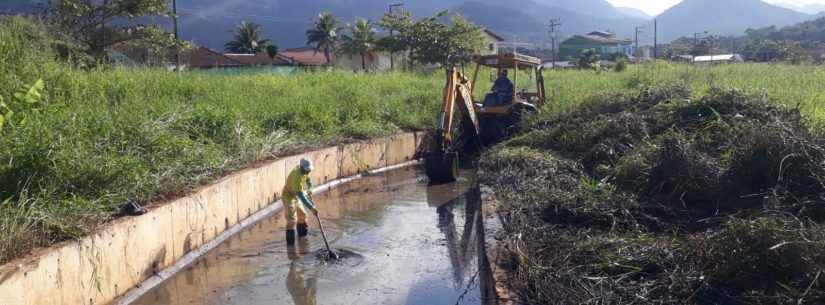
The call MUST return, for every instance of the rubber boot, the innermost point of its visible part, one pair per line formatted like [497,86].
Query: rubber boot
[290,238]
[302,230]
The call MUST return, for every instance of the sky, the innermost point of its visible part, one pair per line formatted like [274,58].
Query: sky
[655,7]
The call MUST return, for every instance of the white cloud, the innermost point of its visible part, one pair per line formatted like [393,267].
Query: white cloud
[655,7]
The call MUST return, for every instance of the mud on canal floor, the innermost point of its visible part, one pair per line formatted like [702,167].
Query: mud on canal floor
[404,243]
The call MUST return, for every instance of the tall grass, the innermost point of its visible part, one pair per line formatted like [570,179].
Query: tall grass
[793,86]
[90,141]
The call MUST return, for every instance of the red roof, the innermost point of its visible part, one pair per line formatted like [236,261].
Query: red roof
[203,58]
[260,59]
[306,56]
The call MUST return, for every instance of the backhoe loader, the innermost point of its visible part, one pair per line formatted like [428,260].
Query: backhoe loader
[466,125]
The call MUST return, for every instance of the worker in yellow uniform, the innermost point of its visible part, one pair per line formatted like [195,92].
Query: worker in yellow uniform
[297,199]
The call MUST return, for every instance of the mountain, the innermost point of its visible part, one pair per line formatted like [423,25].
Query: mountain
[595,8]
[723,17]
[528,19]
[634,13]
[210,22]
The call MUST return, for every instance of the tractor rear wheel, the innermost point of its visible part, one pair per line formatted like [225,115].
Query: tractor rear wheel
[441,167]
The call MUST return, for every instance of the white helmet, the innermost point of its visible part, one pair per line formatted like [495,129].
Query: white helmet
[306,165]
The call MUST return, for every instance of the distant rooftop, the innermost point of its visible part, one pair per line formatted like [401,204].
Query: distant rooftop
[259,59]
[604,34]
[720,57]
[305,56]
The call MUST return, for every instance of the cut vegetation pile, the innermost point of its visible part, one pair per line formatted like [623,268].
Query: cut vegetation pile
[658,197]
[77,145]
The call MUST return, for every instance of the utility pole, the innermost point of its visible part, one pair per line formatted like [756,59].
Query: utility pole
[554,24]
[638,30]
[392,54]
[655,39]
[696,41]
[177,34]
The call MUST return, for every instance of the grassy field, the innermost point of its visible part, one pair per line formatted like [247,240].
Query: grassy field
[794,86]
[79,144]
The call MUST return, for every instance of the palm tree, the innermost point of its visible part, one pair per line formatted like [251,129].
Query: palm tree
[324,34]
[247,39]
[361,42]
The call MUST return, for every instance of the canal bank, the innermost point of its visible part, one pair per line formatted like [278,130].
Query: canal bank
[124,254]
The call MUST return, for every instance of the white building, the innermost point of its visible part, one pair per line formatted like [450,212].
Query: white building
[717,59]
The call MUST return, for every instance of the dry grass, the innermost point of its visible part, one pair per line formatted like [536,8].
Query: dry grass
[659,197]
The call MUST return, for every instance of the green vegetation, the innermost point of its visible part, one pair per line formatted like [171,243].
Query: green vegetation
[248,38]
[88,28]
[793,86]
[361,41]
[432,40]
[325,34]
[86,142]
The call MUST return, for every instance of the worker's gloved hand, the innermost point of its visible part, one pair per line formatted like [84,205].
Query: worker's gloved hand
[315,211]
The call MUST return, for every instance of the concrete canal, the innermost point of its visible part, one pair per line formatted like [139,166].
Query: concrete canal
[407,243]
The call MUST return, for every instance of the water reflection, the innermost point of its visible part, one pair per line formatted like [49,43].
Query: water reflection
[462,249]
[301,286]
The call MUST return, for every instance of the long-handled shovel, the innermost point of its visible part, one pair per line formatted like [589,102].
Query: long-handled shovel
[332,255]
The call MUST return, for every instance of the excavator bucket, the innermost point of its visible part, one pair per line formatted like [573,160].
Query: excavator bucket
[441,167]
[442,161]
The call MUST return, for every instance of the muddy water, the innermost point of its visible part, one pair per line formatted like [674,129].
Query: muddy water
[406,243]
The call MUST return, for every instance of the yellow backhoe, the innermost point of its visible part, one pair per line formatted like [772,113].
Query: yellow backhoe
[466,125]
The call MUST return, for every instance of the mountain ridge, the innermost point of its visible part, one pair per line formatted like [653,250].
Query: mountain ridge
[210,22]
[723,17]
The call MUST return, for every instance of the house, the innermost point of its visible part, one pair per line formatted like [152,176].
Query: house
[206,58]
[492,43]
[605,43]
[305,57]
[717,59]
[259,59]
[195,58]
[560,65]
[374,61]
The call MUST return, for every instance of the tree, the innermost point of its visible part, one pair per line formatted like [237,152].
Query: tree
[395,23]
[248,39]
[324,34]
[431,40]
[589,59]
[361,41]
[98,25]
[272,51]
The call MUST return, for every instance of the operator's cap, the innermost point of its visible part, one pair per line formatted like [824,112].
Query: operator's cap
[306,165]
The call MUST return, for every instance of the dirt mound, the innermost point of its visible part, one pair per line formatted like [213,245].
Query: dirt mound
[660,198]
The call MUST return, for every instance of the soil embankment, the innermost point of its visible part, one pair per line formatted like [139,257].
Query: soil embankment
[657,197]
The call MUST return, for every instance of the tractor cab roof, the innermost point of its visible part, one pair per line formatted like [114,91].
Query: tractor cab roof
[508,61]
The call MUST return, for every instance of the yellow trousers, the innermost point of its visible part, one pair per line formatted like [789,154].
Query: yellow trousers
[294,213]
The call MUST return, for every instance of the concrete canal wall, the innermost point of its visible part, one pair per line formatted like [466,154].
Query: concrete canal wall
[104,266]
